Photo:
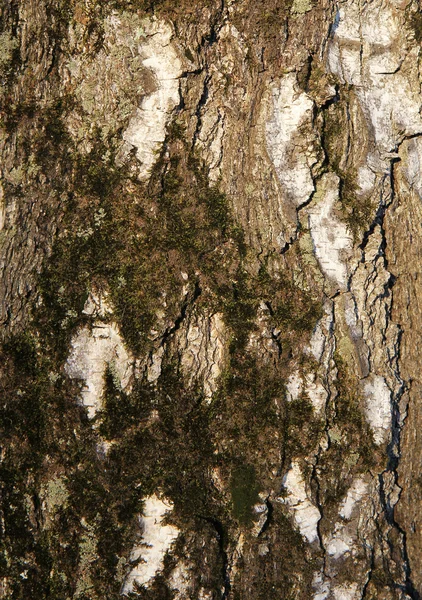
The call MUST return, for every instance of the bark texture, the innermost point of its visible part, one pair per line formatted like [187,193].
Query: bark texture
[210,299]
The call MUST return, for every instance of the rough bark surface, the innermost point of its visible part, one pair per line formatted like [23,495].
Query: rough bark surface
[210,299]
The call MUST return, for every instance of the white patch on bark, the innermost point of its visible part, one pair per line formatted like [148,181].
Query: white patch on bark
[321,587]
[289,150]
[157,538]
[147,128]
[210,140]
[306,515]
[319,345]
[342,539]
[154,365]
[378,407]
[317,393]
[91,351]
[357,491]
[333,242]
[294,386]
[347,592]
[365,179]
[339,545]
[413,164]
[179,581]
[367,52]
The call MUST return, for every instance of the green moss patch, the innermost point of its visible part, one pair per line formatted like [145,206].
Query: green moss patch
[244,493]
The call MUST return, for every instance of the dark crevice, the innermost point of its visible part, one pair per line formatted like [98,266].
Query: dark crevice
[221,535]
[307,71]
[198,112]
[275,337]
[276,340]
[54,59]
[268,521]
[384,203]
[371,570]
[393,448]
[180,107]
[389,515]
[183,311]
[317,493]
[333,100]
[206,42]
[410,136]
[197,71]
[288,245]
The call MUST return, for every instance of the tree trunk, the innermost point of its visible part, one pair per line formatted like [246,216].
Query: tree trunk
[211,245]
